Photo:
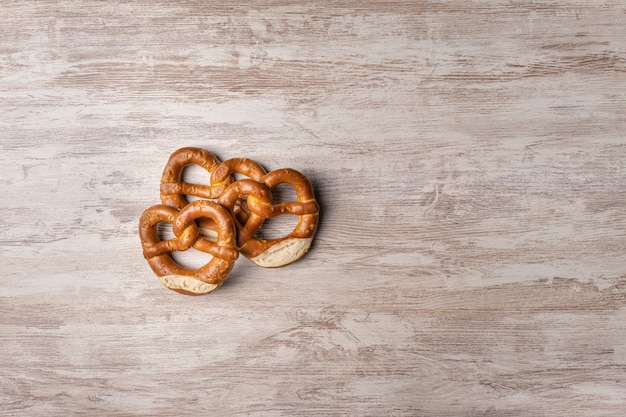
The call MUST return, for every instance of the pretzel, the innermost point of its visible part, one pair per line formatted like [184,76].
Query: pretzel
[157,252]
[274,252]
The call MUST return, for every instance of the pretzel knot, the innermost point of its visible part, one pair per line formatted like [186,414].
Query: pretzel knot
[157,252]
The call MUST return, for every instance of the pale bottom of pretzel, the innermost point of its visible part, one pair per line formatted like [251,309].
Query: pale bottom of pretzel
[283,253]
[187,284]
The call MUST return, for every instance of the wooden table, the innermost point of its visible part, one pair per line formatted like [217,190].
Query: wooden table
[469,159]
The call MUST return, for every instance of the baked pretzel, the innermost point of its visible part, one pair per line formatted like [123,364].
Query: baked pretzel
[157,252]
[258,207]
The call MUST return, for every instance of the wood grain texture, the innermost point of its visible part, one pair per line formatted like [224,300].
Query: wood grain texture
[469,158]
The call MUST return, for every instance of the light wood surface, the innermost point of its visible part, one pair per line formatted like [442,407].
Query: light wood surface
[469,158]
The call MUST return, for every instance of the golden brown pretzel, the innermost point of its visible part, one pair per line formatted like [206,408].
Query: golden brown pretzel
[157,252]
[287,249]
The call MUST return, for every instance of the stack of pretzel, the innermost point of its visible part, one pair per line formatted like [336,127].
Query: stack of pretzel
[224,220]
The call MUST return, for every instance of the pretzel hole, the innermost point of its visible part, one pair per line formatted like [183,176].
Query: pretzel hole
[277,227]
[164,231]
[195,174]
[283,193]
[191,258]
[241,204]
[282,225]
